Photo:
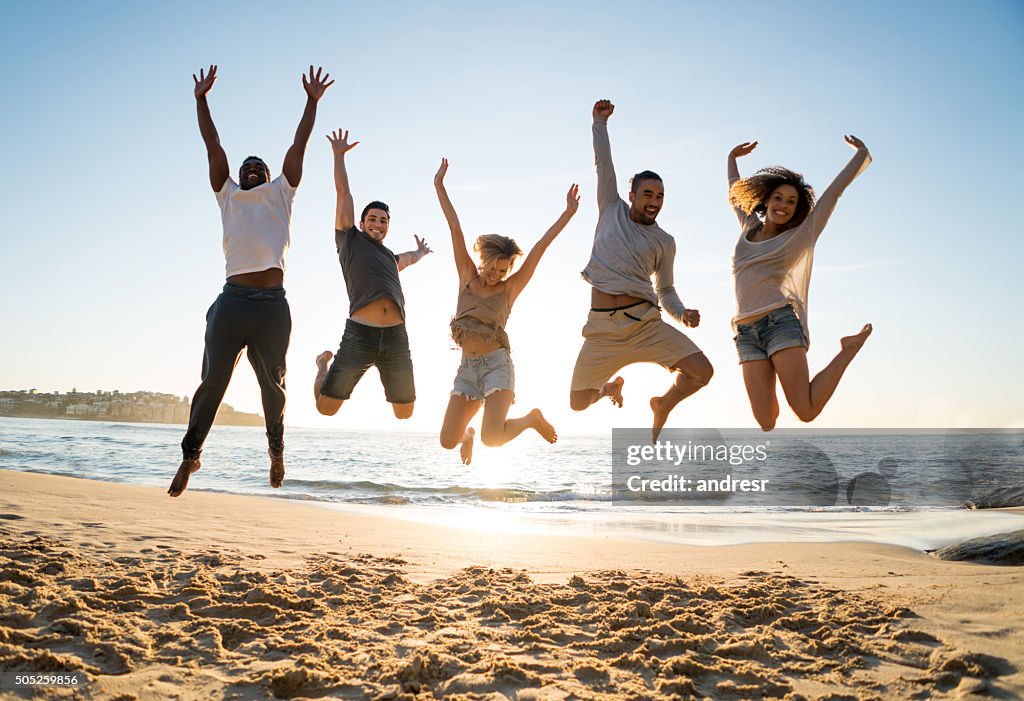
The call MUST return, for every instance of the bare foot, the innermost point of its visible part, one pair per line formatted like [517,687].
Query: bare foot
[323,359]
[855,342]
[187,468]
[541,426]
[660,417]
[276,470]
[613,390]
[466,451]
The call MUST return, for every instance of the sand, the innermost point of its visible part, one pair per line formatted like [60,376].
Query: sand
[223,596]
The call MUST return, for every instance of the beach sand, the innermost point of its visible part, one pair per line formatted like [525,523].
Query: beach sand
[222,596]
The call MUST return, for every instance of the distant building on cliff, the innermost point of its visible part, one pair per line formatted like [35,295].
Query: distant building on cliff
[133,407]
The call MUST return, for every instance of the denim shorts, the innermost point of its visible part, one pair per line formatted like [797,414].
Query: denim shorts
[364,346]
[777,330]
[485,374]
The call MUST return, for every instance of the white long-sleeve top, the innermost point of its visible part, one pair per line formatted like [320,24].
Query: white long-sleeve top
[776,272]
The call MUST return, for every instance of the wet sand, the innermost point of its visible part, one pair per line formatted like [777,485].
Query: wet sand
[224,596]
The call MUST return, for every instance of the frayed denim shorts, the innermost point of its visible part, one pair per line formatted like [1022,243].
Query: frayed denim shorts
[777,330]
[485,374]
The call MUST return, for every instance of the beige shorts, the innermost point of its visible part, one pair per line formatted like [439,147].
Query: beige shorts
[623,337]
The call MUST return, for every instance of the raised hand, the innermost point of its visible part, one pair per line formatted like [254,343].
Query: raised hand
[441,172]
[743,149]
[205,81]
[854,142]
[691,318]
[572,199]
[315,85]
[340,143]
[603,109]
[421,246]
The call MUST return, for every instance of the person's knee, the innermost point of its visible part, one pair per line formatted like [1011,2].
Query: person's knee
[767,424]
[492,438]
[328,406]
[701,372]
[807,416]
[806,413]
[450,442]
[402,411]
[580,400]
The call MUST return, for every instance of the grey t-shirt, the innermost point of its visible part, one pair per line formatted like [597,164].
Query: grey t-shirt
[370,269]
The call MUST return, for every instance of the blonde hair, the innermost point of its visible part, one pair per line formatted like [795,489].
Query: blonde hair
[493,247]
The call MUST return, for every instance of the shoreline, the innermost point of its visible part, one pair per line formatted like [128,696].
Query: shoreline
[213,594]
[922,530]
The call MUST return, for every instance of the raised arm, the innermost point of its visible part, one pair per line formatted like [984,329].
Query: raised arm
[406,259]
[827,202]
[607,191]
[345,210]
[463,261]
[734,171]
[314,87]
[215,155]
[517,281]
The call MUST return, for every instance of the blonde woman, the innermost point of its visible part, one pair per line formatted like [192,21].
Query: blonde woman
[487,291]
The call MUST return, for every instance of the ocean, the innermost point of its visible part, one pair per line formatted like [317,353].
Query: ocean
[571,487]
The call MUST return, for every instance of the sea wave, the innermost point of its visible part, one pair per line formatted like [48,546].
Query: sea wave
[389,492]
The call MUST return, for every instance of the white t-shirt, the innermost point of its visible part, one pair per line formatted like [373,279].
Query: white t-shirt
[256,225]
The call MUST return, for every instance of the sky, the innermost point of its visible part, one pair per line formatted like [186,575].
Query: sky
[111,236]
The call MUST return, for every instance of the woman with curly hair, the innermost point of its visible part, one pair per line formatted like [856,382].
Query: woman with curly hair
[487,292]
[780,222]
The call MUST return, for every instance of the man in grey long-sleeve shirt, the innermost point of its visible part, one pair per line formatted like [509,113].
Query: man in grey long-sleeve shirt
[625,325]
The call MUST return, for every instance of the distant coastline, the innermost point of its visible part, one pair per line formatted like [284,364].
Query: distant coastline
[112,405]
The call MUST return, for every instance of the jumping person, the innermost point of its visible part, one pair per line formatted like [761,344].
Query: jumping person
[625,324]
[487,292]
[252,312]
[375,330]
[780,223]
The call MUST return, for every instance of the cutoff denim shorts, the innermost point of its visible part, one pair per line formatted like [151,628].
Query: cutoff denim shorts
[775,331]
[485,374]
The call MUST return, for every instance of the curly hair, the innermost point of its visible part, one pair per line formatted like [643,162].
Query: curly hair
[751,194]
[492,247]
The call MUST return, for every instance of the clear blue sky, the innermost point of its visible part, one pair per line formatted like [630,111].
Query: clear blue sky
[111,235]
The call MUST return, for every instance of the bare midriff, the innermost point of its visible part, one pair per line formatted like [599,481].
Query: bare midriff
[264,279]
[382,311]
[757,317]
[474,345]
[604,300]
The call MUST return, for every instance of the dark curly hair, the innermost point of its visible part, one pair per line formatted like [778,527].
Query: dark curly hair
[751,194]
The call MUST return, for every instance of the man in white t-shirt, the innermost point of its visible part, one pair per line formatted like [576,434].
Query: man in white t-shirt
[251,312]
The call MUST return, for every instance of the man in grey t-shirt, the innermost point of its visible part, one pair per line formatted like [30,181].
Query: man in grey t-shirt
[375,332]
[625,324]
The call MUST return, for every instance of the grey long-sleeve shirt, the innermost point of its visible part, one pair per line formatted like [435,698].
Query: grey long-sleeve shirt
[626,254]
